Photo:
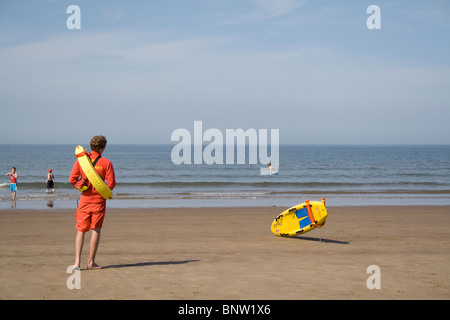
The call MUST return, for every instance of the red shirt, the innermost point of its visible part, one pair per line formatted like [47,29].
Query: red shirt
[13,177]
[104,169]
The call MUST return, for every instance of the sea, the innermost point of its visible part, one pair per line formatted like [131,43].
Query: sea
[346,175]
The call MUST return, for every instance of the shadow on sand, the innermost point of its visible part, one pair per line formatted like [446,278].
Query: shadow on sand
[320,240]
[146,264]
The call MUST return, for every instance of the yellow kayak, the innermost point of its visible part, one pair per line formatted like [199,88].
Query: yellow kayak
[300,219]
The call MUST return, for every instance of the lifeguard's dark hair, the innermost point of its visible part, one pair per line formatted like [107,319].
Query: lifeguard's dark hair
[98,143]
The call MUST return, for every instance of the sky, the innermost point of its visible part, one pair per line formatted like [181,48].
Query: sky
[136,70]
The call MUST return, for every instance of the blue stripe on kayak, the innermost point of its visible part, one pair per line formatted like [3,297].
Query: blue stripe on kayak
[304,223]
[301,213]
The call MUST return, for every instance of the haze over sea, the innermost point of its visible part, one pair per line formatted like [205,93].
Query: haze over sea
[147,177]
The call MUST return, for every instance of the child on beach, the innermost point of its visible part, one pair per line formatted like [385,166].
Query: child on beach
[13,184]
[50,178]
[91,209]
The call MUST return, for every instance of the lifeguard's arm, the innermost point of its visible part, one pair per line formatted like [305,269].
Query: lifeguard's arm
[110,176]
[75,174]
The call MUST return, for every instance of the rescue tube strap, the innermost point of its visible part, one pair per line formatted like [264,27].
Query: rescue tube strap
[81,154]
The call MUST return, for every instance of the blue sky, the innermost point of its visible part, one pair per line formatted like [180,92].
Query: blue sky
[138,70]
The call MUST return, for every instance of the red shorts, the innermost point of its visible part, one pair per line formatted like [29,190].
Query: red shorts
[90,216]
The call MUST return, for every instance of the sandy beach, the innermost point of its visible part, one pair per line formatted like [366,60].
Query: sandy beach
[229,253]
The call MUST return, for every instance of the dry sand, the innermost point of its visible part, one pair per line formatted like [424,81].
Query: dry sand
[229,253]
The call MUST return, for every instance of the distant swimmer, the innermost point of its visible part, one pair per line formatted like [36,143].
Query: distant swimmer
[50,183]
[270,167]
[13,184]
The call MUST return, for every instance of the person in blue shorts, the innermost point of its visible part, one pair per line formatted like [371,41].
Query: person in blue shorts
[13,185]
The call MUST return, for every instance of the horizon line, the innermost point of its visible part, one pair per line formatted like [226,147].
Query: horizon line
[205,144]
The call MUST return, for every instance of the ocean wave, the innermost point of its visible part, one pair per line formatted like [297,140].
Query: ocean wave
[171,184]
[240,195]
[261,186]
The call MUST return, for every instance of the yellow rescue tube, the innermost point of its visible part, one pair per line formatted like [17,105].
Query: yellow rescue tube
[300,219]
[90,172]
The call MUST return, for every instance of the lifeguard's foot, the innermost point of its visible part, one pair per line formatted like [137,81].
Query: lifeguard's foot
[94,266]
